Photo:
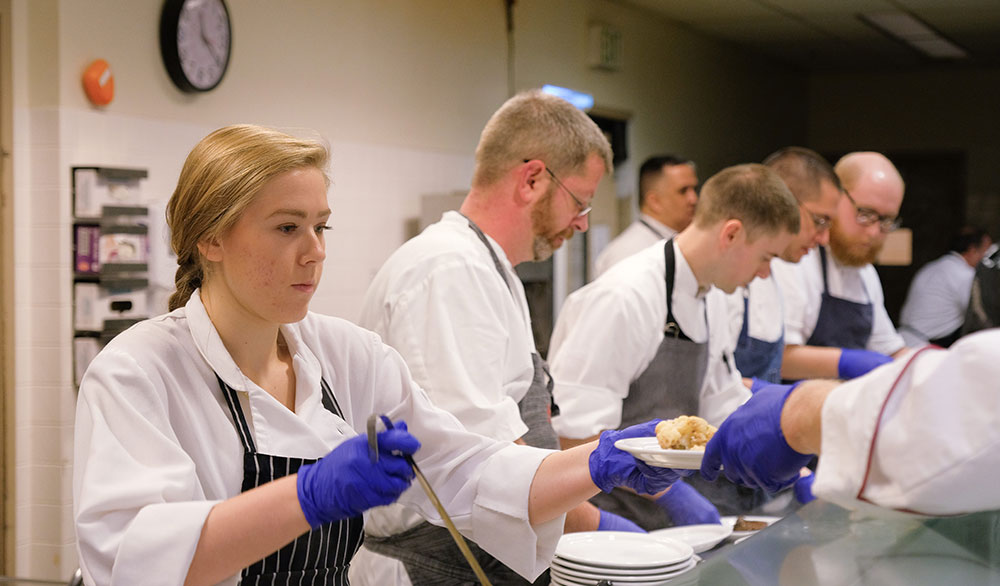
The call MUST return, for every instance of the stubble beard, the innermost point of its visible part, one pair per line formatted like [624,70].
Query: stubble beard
[544,246]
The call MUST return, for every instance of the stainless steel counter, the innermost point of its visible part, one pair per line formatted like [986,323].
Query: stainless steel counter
[825,545]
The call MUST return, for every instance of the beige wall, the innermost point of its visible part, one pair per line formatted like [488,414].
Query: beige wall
[401,90]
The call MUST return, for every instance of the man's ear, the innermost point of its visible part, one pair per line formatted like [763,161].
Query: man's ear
[210,249]
[532,181]
[732,233]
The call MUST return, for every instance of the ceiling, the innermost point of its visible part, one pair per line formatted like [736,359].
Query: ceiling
[825,35]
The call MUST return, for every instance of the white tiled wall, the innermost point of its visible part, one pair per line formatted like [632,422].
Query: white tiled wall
[374,191]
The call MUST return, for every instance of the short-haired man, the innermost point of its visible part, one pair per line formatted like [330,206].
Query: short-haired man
[812,181]
[938,298]
[651,337]
[668,192]
[450,302]
[836,324]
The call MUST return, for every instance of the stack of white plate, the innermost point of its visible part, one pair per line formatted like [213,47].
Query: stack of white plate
[618,557]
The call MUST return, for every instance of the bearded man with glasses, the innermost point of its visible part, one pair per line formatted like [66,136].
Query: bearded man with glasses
[450,302]
[836,324]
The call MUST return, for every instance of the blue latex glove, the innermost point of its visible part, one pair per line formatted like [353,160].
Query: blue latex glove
[613,522]
[804,489]
[854,363]
[348,482]
[611,467]
[750,447]
[757,384]
[686,506]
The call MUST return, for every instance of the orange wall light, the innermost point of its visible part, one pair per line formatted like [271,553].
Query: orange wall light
[98,83]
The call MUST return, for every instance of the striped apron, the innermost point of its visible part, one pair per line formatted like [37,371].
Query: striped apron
[316,558]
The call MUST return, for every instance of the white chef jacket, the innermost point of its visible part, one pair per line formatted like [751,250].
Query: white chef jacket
[917,435]
[634,238]
[156,447]
[937,300]
[801,286]
[608,333]
[435,293]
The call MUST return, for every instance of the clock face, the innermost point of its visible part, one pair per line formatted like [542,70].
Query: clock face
[195,38]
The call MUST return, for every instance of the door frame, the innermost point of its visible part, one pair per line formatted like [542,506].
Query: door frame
[6,297]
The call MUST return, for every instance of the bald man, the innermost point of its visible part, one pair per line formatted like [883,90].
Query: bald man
[836,324]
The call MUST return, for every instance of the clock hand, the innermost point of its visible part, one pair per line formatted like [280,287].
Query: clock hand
[206,39]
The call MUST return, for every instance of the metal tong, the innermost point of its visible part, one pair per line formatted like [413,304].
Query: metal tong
[459,540]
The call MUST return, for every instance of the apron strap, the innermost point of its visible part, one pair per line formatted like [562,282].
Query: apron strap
[236,410]
[651,228]
[240,419]
[671,328]
[493,254]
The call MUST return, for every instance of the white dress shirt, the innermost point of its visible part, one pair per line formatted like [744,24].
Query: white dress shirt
[918,435]
[634,238]
[608,333]
[156,448]
[937,300]
[801,286]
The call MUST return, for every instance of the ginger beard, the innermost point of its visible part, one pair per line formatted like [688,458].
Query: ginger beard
[546,237]
[850,252]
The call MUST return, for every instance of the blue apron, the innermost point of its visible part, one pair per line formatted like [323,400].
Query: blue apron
[841,323]
[319,557]
[756,357]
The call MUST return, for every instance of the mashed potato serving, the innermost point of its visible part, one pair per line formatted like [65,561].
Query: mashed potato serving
[687,432]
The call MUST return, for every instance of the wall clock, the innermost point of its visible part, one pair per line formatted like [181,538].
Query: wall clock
[195,41]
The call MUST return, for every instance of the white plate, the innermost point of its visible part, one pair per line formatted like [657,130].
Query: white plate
[700,537]
[564,564]
[595,576]
[731,521]
[649,451]
[621,549]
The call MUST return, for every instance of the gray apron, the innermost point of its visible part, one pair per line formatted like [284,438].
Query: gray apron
[427,551]
[671,386]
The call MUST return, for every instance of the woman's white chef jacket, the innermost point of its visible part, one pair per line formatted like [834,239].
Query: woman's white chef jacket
[937,299]
[608,333]
[156,448]
[919,434]
[634,238]
[801,286]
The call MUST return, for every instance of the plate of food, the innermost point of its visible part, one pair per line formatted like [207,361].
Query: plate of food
[745,525]
[679,443]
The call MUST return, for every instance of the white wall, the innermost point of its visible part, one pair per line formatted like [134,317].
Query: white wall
[401,90]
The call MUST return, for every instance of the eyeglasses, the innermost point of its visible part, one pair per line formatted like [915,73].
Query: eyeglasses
[584,208]
[868,217]
[821,222]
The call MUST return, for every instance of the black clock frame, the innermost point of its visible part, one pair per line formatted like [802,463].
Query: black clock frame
[169,19]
